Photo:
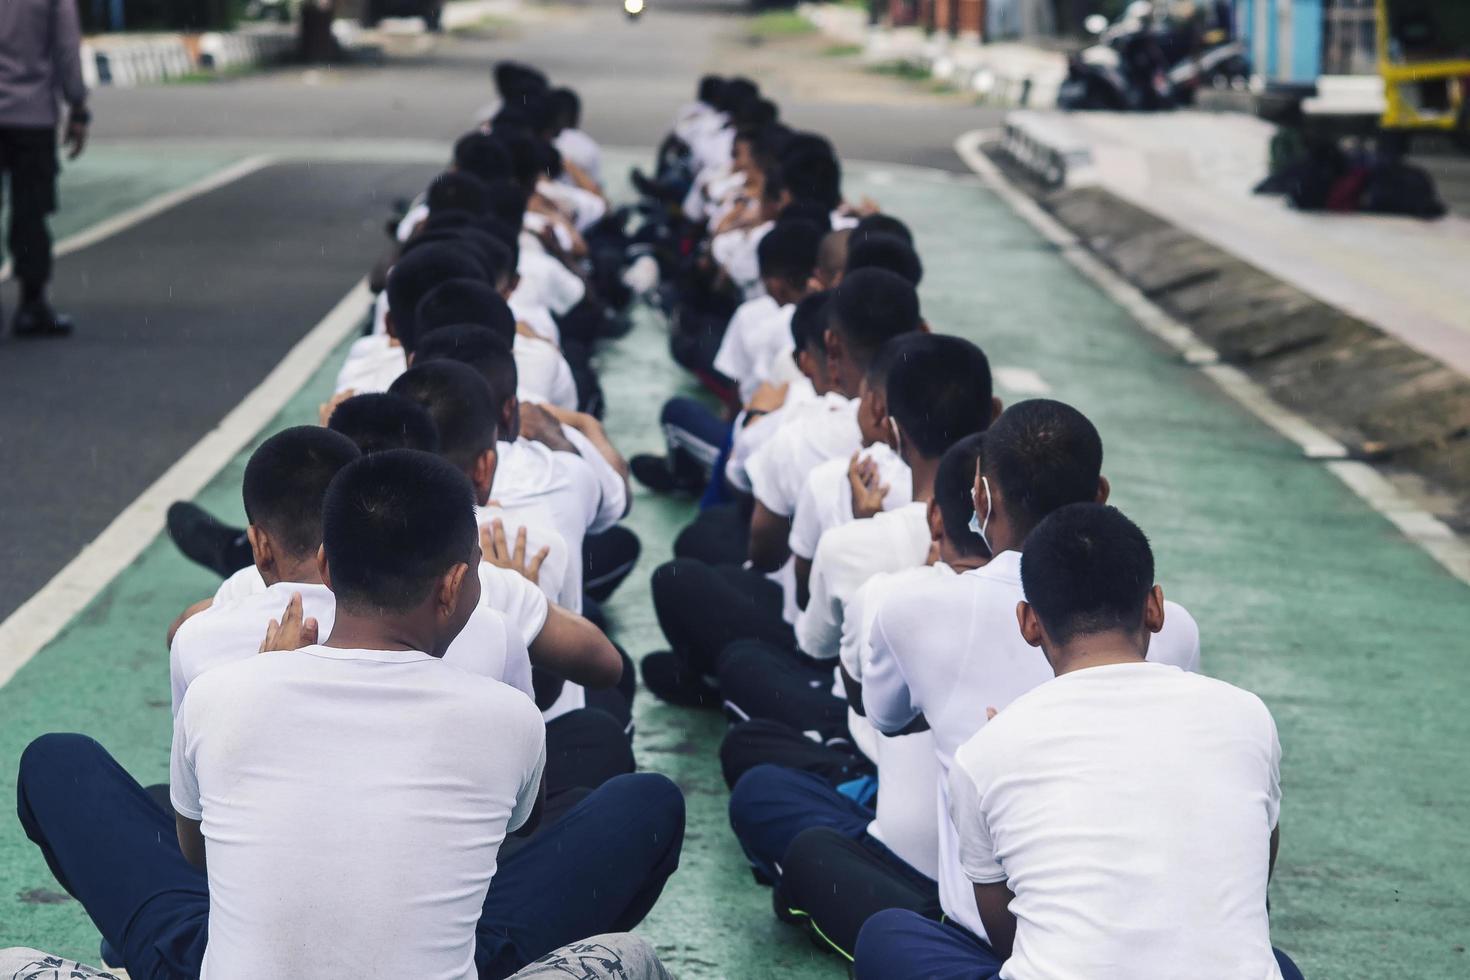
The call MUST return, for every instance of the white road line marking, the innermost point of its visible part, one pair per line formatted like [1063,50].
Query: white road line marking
[124,220]
[1417,524]
[43,616]
[1021,381]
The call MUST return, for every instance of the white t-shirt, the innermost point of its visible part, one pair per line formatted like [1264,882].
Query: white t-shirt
[521,603]
[821,430]
[749,438]
[373,363]
[584,208]
[735,251]
[754,331]
[906,817]
[566,485]
[534,315]
[1130,809]
[949,650]
[540,533]
[352,803]
[826,499]
[232,631]
[846,557]
[582,150]
[542,374]
[544,280]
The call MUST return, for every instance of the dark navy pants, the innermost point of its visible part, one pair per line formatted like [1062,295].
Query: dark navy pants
[900,945]
[771,805]
[600,868]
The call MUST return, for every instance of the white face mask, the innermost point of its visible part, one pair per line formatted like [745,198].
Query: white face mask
[897,439]
[979,525]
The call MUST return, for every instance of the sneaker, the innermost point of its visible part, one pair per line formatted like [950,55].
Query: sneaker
[38,319]
[671,681]
[205,540]
[656,473]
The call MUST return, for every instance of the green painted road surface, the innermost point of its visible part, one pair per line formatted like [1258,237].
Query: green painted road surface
[1356,639]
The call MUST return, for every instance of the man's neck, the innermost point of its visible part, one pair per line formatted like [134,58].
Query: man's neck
[301,572]
[958,561]
[923,471]
[1097,650]
[356,631]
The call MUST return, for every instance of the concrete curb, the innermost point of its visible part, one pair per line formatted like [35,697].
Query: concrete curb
[1002,73]
[123,60]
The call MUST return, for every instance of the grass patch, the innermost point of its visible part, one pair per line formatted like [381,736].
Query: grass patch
[907,70]
[204,76]
[843,50]
[780,23]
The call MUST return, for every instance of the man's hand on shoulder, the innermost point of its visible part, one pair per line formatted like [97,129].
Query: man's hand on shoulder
[539,425]
[294,631]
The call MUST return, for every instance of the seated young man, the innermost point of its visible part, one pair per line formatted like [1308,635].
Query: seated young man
[269,869]
[703,608]
[759,327]
[838,853]
[944,652]
[1119,821]
[465,410]
[285,483]
[935,390]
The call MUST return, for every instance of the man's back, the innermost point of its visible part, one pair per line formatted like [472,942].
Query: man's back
[40,61]
[1130,808]
[353,803]
[231,631]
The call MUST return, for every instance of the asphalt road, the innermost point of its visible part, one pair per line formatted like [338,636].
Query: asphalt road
[182,315]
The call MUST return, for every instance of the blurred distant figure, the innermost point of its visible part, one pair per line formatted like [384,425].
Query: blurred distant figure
[40,68]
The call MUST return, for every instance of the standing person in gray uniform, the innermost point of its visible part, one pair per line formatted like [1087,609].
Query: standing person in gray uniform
[40,68]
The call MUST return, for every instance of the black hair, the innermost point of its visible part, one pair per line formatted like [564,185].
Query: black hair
[464,301]
[871,306]
[938,390]
[789,251]
[551,164]
[809,321]
[418,271]
[392,524]
[459,401]
[482,155]
[382,420]
[525,157]
[505,201]
[882,224]
[807,211]
[513,80]
[1043,455]
[568,107]
[479,348]
[754,113]
[737,90]
[1087,569]
[803,144]
[711,90]
[285,480]
[465,239]
[885,252]
[455,190]
[954,483]
[506,234]
[814,176]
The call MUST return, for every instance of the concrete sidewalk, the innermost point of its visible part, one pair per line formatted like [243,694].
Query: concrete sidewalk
[1195,170]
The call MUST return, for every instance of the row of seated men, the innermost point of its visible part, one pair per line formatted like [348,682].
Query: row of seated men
[400,690]
[969,736]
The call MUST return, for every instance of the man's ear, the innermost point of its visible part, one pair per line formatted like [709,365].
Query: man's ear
[321,566]
[923,327]
[510,419]
[261,550]
[832,340]
[936,521]
[482,475]
[388,324]
[1104,489]
[449,588]
[1153,610]
[1030,623]
[996,408]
